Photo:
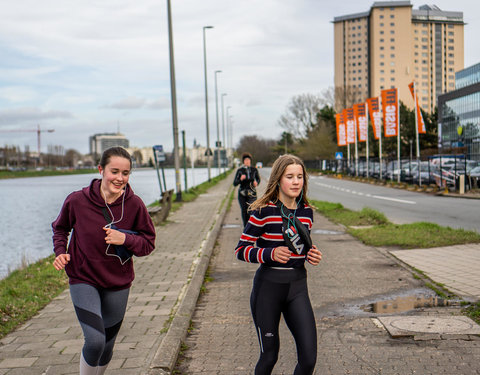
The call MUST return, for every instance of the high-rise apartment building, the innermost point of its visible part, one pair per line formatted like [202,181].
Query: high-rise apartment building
[391,45]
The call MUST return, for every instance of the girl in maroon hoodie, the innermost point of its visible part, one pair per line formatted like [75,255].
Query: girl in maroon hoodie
[108,224]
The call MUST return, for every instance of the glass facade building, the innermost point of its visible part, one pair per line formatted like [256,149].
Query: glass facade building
[459,114]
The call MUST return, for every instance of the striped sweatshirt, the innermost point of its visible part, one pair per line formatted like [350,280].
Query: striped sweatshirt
[263,233]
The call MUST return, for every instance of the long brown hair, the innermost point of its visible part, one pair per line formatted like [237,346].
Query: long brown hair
[278,169]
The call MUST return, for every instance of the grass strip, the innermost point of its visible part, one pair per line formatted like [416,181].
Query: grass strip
[24,292]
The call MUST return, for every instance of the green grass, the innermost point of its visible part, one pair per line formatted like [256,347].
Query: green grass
[415,235]
[473,311]
[24,292]
[338,214]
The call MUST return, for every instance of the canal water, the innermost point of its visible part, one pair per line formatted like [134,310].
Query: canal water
[29,205]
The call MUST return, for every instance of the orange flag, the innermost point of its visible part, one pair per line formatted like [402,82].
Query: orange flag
[341,130]
[420,122]
[360,114]
[350,125]
[390,112]
[375,116]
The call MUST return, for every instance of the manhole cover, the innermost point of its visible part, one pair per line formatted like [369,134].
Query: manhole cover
[410,325]
[226,226]
[321,231]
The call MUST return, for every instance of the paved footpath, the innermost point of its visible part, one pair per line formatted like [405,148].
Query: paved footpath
[343,288]
[161,301]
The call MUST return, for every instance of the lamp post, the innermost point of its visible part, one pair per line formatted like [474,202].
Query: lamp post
[208,152]
[229,143]
[218,128]
[174,107]
[223,127]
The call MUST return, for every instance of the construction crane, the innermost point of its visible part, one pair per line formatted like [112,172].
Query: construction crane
[38,131]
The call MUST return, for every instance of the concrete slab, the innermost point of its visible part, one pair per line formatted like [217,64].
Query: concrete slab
[402,326]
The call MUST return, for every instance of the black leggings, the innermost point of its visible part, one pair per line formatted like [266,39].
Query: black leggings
[283,291]
[100,313]
[245,202]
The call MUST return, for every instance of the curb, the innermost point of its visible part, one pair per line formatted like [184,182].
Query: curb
[166,355]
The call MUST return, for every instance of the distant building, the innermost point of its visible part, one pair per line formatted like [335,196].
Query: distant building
[459,114]
[100,142]
[390,45]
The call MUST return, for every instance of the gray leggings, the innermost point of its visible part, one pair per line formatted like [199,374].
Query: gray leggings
[100,313]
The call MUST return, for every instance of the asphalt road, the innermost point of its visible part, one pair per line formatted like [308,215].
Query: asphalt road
[400,206]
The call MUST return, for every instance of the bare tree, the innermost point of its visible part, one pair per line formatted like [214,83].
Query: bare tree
[301,114]
[261,149]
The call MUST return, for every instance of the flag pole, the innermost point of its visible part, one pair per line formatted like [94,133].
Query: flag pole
[366,117]
[398,137]
[380,136]
[416,133]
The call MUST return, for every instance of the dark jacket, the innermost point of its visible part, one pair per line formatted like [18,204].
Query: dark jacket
[82,215]
[246,185]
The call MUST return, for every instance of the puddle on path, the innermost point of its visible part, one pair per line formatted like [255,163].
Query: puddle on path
[405,303]
[228,226]
[322,231]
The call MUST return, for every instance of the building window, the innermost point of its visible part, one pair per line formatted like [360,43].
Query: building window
[392,23]
[450,26]
[424,76]
[415,61]
[424,47]
[392,56]
[450,62]
[382,56]
[450,40]
[450,33]
[382,87]
[392,79]
[450,48]
[451,77]
[392,63]
[381,48]
[381,40]
[450,55]
[392,39]
[392,31]
[392,71]
[381,32]
[381,16]
[424,61]
[424,54]
[382,71]
[392,47]
[382,79]
[392,15]
[382,63]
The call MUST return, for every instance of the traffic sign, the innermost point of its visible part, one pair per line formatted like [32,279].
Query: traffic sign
[339,155]
[158,150]
[208,152]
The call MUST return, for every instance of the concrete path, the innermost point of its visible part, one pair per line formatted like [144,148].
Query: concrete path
[343,289]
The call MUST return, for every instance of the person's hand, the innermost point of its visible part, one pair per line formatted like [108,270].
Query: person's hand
[114,237]
[243,177]
[61,261]
[281,254]
[314,256]
[255,184]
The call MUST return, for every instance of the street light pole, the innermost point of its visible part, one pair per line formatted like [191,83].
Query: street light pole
[229,143]
[174,107]
[218,128]
[223,127]
[206,99]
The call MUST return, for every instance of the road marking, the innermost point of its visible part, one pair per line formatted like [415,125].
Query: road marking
[393,199]
[366,195]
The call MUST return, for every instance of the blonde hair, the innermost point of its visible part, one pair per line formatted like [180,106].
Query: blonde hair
[278,169]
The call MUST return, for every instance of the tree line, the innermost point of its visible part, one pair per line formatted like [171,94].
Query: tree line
[310,131]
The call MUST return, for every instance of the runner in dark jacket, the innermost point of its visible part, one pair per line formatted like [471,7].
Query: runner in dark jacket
[108,224]
[248,178]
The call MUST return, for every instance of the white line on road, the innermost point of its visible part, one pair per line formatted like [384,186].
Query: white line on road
[393,199]
[366,195]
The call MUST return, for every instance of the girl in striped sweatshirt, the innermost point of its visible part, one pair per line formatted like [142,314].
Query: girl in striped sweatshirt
[277,237]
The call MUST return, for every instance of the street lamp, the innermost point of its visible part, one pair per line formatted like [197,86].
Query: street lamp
[208,152]
[223,127]
[174,108]
[218,128]
[229,143]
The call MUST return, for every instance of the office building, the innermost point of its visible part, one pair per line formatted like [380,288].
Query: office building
[459,115]
[390,45]
[100,142]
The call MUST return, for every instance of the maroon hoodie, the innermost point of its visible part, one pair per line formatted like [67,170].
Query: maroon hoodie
[82,214]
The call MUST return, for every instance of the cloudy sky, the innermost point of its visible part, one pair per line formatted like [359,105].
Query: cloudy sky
[85,67]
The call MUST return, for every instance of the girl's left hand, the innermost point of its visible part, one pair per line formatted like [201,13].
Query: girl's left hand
[114,237]
[314,256]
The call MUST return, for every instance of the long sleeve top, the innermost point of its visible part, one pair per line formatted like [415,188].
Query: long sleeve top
[90,260]
[263,233]
[251,174]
